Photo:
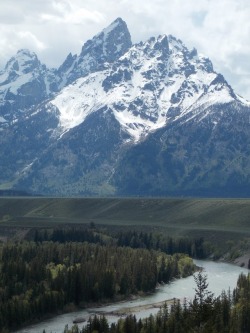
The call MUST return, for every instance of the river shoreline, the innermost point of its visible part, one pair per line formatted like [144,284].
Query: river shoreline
[243,260]
[72,308]
[142,304]
[123,312]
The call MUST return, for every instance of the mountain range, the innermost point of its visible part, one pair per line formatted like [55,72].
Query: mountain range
[123,119]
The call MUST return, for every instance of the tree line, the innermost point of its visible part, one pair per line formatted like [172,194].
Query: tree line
[37,278]
[194,247]
[228,313]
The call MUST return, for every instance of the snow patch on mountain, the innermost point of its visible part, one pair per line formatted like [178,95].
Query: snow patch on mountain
[78,100]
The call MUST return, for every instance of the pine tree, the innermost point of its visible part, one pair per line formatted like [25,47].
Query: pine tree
[203,303]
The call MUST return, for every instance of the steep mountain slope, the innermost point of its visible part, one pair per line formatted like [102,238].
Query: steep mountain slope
[149,119]
[198,156]
[81,162]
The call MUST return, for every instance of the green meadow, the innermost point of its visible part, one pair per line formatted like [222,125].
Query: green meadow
[215,219]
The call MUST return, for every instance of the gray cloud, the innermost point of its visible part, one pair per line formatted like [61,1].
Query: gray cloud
[53,28]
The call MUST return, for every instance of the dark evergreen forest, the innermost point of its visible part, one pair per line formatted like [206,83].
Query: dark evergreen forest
[69,267]
[57,269]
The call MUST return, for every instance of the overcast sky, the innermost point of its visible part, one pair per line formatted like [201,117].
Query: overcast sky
[219,29]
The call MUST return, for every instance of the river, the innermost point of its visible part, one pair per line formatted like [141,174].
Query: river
[221,276]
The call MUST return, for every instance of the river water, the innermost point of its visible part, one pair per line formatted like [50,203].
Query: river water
[221,276]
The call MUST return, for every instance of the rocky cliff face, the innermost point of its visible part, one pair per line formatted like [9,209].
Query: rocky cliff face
[152,118]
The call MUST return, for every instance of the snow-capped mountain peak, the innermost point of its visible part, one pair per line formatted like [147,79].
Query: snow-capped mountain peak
[23,62]
[104,48]
[111,43]
[24,82]
[153,83]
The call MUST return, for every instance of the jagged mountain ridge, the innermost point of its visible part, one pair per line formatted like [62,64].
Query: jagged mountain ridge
[25,81]
[97,53]
[151,85]
[152,118]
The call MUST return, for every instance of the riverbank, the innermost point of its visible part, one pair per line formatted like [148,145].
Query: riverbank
[69,309]
[243,260]
[134,309]
[221,276]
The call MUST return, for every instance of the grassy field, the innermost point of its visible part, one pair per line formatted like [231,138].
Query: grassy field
[230,215]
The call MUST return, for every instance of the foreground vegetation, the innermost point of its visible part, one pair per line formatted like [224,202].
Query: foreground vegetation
[39,278]
[228,313]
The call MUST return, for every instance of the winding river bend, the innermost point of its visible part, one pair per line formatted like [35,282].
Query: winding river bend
[221,276]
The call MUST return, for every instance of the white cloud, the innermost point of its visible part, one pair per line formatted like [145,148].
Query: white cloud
[218,29]
[82,14]
[72,15]
[29,38]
